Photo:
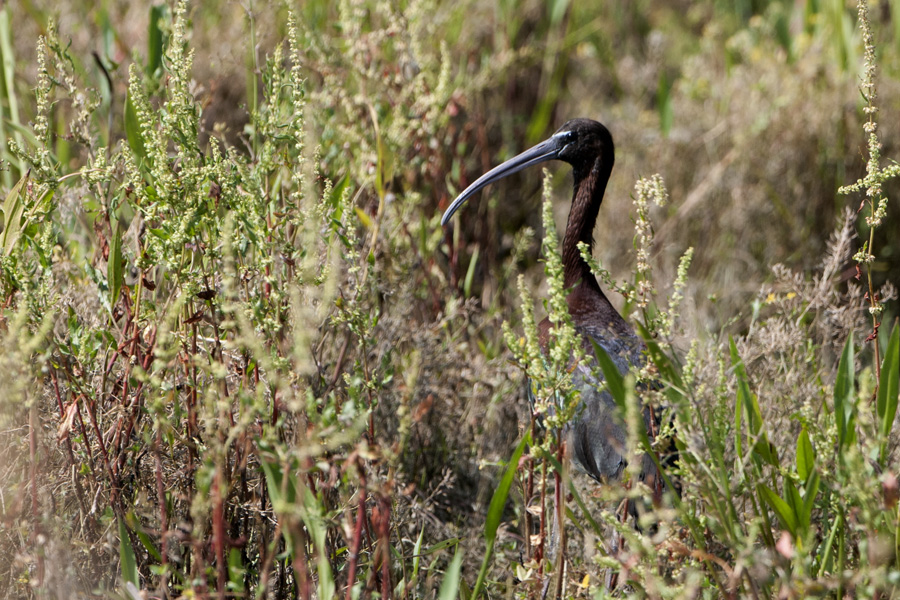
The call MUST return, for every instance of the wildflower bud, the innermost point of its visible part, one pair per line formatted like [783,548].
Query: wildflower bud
[785,546]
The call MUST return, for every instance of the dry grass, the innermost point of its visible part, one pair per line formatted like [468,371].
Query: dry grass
[299,384]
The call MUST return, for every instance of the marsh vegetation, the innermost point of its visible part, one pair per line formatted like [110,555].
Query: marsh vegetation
[240,357]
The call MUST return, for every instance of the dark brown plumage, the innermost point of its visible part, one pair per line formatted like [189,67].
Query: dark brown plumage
[597,436]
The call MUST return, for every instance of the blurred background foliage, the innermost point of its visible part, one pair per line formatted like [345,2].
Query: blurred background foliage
[750,111]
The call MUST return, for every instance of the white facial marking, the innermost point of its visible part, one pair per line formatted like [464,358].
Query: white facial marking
[560,134]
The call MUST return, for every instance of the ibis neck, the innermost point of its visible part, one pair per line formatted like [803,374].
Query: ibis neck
[589,189]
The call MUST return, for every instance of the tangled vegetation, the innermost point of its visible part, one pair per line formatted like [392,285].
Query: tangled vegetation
[241,358]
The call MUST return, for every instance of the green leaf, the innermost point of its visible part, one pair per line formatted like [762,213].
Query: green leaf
[781,508]
[155,38]
[792,497]
[888,390]
[7,85]
[598,530]
[236,571]
[667,370]
[126,557]
[417,553]
[160,233]
[844,398]
[826,560]
[615,383]
[470,273]
[13,207]
[809,498]
[274,482]
[748,400]
[450,584]
[148,544]
[337,195]
[115,269]
[440,546]
[557,10]
[498,500]
[806,456]
[364,218]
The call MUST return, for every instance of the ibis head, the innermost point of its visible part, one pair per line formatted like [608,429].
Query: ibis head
[583,143]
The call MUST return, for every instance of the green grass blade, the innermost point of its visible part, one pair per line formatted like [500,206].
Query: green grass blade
[792,497]
[888,389]
[440,546]
[615,383]
[748,400]
[13,207]
[470,274]
[495,511]
[806,456]
[236,572]
[598,531]
[126,557]
[9,93]
[115,269]
[417,549]
[498,501]
[844,402]
[781,508]
[450,584]
[809,498]
[827,558]
[145,540]
[667,370]
[155,38]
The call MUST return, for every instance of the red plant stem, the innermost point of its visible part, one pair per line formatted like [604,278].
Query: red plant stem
[113,478]
[118,439]
[340,362]
[543,528]
[191,373]
[84,436]
[218,522]
[62,413]
[357,531]
[215,323]
[198,570]
[137,402]
[300,566]
[560,521]
[274,408]
[384,534]
[36,525]
[265,557]
[163,513]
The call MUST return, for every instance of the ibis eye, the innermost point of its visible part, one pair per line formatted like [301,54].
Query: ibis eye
[565,136]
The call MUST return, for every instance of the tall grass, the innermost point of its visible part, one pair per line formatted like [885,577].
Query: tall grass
[241,359]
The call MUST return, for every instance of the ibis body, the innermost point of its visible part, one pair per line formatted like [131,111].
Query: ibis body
[596,437]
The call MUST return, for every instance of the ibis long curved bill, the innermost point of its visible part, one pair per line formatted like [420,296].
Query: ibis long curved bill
[549,149]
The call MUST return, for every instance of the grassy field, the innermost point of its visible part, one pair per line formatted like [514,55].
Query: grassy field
[240,357]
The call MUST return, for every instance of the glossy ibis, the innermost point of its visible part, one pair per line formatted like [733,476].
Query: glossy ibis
[597,436]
